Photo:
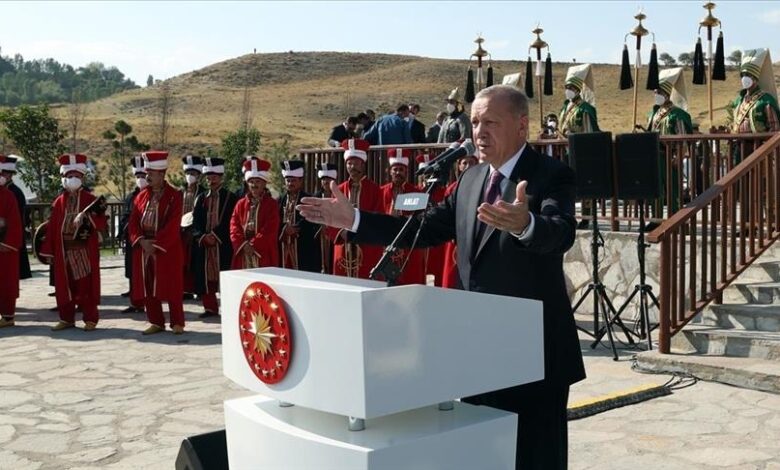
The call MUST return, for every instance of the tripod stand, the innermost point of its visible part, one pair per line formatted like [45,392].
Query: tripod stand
[601,303]
[643,289]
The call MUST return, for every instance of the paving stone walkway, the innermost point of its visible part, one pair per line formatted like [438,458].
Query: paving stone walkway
[115,399]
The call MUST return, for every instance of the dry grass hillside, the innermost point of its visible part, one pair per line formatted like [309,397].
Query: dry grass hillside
[301,95]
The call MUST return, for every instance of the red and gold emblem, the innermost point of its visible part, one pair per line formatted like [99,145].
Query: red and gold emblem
[265,333]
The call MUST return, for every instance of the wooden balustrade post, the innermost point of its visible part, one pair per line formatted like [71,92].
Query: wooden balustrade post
[664,327]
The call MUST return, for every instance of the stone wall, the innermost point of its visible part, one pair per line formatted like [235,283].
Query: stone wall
[619,269]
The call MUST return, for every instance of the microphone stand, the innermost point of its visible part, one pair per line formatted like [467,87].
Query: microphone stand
[388,268]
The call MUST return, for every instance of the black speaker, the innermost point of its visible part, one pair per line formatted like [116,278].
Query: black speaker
[590,155]
[637,165]
[203,452]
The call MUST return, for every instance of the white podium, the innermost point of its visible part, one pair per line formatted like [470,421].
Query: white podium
[362,354]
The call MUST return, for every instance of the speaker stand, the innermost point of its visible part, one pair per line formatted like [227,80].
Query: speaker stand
[602,305]
[644,290]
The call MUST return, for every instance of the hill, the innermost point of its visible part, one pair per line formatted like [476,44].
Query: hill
[301,95]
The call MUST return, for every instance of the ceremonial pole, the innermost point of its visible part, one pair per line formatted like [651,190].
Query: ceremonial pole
[479,54]
[539,44]
[710,22]
[481,81]
[639,31]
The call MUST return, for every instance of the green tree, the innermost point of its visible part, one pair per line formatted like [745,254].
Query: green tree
[235,146]
[279,152]
[686,58]
[117,165]
[667,60]
[48,81]
[38,139]
[735,58]
[149,80]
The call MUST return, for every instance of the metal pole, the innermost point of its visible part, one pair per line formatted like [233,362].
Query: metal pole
[636,80]
[539,44]
[539,85]
[709,73]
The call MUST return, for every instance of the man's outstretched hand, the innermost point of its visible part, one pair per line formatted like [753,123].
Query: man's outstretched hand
[512,218]
[336,211]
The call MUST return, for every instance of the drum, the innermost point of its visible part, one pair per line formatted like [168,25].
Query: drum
[38,238]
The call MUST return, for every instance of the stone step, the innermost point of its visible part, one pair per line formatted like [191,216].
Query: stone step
[765,269]
[746,372]
[753,293]
[715,341]
[754,317]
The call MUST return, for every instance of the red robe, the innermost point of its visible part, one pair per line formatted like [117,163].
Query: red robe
[12,240]
[168,276]
[413,273]
[266,232]
[371,201]
[433,260]
[53,245]
[450,266]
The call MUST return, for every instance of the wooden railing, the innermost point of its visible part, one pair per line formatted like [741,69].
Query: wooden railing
[708,243]
[693,163]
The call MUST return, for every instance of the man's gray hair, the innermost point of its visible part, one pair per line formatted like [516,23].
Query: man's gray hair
[518,102]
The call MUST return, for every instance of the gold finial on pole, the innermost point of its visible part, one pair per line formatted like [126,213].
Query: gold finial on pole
[709,20]
[480,53]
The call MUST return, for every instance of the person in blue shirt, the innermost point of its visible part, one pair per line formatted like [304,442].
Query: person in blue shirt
[391,129]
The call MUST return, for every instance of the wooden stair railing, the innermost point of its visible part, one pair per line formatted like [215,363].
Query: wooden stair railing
[706,245]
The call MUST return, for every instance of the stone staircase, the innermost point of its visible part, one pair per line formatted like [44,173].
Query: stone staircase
[736,342]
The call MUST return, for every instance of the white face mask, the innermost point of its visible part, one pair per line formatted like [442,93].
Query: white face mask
[450,108]
[552,124]
[141,182]
[3,180]
[659,99]
[191,179]
[747,82]
[71,184]
[570,94]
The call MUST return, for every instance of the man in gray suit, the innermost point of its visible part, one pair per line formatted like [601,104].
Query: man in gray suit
[512,218]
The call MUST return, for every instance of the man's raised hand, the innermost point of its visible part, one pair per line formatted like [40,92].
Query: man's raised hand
[336,211]
[512,218]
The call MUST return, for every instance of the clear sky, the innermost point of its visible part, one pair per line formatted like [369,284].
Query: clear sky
[165,39]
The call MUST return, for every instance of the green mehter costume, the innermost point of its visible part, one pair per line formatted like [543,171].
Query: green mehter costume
[670,118]
[755,108]
[578,113]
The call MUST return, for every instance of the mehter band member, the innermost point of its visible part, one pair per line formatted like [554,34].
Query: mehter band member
[157,247]
[212,251]
[299,246]
[10,241]
[71,243]
[254,227]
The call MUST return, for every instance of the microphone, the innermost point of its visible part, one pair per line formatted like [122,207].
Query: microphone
[448,157]
[453,146]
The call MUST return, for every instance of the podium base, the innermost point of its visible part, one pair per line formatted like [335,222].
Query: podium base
[260,434]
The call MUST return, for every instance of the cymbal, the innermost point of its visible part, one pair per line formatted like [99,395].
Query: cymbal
[186,220]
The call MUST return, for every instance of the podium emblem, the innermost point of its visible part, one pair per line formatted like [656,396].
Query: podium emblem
[265,333]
